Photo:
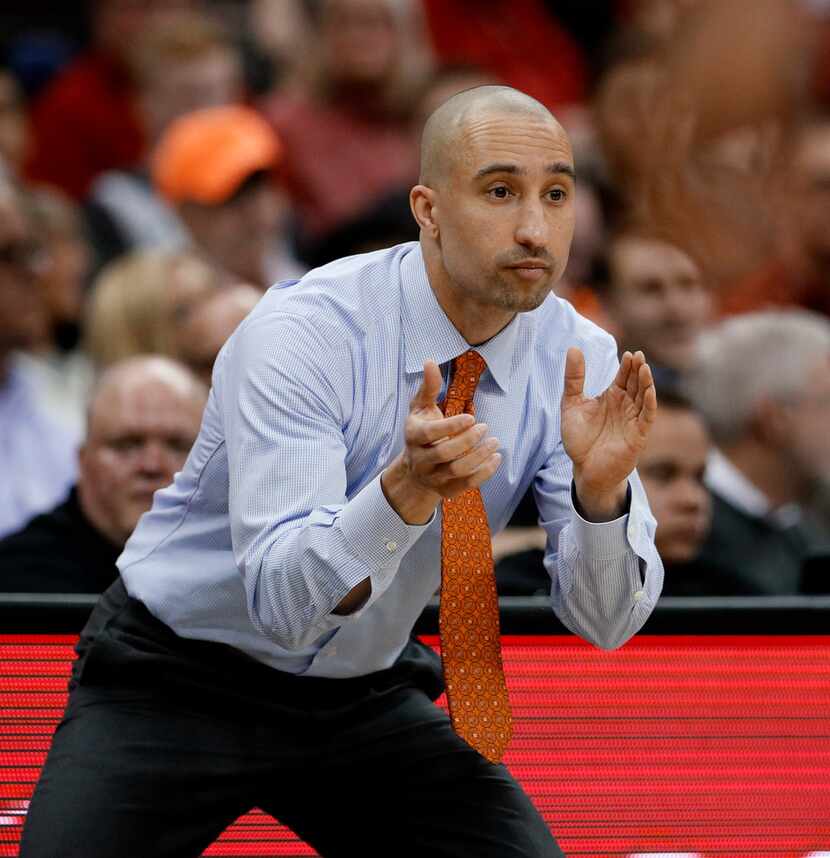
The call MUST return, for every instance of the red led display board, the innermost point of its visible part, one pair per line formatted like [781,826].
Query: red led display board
[692,745]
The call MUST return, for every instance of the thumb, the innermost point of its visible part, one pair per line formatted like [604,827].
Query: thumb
[574,373]
[430,388]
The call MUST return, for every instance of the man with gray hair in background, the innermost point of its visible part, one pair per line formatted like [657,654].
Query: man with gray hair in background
[763,384]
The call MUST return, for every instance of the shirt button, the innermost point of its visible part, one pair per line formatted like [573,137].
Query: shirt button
[391,547]
[638,596]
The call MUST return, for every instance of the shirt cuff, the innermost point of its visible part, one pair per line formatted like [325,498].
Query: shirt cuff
[600,540]
[376,534]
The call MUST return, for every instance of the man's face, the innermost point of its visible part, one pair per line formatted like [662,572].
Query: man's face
[21,308]
[211,80]
[658,301]
[505,212]
[806,434]
[237,234]
[671,468]
[359,39]
[812,191]
[140,433]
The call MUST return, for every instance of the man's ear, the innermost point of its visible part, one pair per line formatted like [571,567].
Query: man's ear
[772,422]
[422,201]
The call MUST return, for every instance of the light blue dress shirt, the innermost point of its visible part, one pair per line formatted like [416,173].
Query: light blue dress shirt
[38,457]
[279,513]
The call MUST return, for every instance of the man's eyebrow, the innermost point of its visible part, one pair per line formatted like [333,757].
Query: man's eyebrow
[558,167]
[562,167]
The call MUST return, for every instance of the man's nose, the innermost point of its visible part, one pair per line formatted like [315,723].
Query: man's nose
[692,495]
[154,459]
[531,229]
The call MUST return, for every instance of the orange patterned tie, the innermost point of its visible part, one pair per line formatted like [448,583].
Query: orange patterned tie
[469,611]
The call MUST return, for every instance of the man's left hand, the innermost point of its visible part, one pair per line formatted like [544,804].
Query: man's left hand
[605,435]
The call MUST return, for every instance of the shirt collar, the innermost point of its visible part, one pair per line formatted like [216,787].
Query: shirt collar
[733,486]
[430,335]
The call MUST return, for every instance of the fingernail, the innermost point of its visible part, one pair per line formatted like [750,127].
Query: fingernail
[482,428]
[493,443]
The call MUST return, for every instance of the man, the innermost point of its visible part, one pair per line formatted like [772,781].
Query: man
[263,625]
[657,300]
[672,467]
[143,418]
[187,63]
[216,168]
[763,385]
[210,323]
[37,456]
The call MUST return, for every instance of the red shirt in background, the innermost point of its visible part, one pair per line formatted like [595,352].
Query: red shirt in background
[516,40]
[85,122]
[337,162]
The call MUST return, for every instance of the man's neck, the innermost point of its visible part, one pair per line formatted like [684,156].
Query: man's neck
[766,470]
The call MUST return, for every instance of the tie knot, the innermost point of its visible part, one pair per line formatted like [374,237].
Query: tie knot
[466,372]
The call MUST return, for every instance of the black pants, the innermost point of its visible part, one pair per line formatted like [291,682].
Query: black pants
[166,741]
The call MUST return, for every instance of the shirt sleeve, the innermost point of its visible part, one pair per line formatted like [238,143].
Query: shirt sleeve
[299,542]
[606,577]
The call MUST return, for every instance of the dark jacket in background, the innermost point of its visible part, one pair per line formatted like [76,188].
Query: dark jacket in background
[58,552]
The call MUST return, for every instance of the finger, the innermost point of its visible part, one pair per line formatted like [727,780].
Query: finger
[631,386]
[420,432]
[480,476]
[574,372]
[430,388]
[467,464]
[449,449]
[644,380]
[621,378]
[649,410]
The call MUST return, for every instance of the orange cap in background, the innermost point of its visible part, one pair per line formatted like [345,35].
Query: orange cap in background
[205,156]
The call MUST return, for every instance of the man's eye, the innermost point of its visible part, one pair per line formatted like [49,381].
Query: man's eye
[557,195]
[500,192]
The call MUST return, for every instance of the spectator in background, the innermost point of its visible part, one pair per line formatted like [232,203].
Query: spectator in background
[347,136]
[14,124]
[763,384]
[62,372]
[800,275]
[37,457]
[143,419]
[86,120]
[139,304]
[518,41]
[656,299]
[217,168]
[209,325]
[185,65]
[672,469]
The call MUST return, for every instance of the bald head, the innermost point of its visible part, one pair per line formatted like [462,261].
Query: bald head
[124,379]
[143,419]
[444,128]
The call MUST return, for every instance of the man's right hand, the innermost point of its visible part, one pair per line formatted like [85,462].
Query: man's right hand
[443,456]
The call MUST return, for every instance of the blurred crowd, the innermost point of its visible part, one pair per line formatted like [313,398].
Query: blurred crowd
[163,168]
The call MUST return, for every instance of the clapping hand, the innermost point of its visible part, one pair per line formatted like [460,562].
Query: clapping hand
[605,435]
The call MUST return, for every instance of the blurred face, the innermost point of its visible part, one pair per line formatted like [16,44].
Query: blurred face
[237,234]
[360,40]
[658,301]
[671,468]
[117,23]
[62,281]
[210,325]
[21,261]
[140,433]
[13,126]
[211,80]
[806,432]
[504,216]
[812,191]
